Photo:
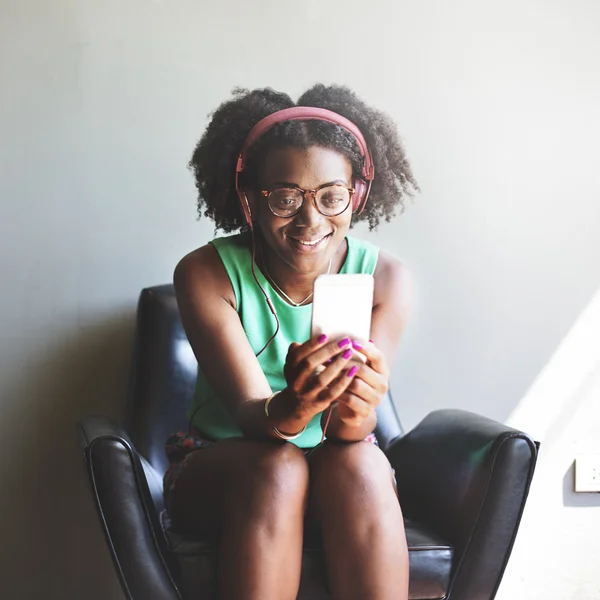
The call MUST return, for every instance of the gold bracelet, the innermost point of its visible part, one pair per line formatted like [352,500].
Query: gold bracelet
[268,401]
[279,434]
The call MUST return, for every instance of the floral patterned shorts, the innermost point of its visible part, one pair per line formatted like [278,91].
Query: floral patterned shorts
[181,446]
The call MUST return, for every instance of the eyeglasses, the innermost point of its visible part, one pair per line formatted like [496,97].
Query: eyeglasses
[331,199]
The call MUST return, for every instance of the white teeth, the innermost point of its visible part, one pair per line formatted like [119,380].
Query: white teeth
[311,243]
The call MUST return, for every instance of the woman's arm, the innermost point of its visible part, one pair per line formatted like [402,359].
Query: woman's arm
[208,312]
[353,418]
[207,306]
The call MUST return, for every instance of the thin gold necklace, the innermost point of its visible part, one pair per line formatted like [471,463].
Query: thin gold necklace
[296,304]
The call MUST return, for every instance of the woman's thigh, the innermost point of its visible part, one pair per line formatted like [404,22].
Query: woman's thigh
[233,471]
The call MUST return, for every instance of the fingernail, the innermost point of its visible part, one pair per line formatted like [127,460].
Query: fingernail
[372,342]
[357,345]
[344,342]
[322,338]
[347,354]
[352,371]
[327,362]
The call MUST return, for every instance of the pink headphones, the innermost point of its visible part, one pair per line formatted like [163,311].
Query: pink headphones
[304,113]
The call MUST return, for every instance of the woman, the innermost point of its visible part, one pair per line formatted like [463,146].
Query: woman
[252,472]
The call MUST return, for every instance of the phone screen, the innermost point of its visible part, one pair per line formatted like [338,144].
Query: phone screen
[342,305]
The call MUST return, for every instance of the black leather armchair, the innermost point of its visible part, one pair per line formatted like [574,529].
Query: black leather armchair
[463,481]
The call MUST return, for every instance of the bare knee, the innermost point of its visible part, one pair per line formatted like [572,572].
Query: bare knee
[359,464]
[273,470]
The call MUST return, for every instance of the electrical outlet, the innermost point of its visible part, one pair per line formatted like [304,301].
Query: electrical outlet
[587,473]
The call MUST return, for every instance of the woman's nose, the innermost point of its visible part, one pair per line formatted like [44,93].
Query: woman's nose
[308,215]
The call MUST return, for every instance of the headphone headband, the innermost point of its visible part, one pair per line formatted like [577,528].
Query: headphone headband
[308,113]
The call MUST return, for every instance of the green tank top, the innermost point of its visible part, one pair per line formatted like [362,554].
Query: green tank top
[210,416]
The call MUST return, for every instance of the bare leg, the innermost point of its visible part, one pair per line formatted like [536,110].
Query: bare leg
[354,501]
[251,496]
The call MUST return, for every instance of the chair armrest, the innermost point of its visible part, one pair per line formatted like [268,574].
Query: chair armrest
[466,477]
[127,511]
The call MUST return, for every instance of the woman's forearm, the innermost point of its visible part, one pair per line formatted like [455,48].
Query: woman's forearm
[337,430]
[283,414]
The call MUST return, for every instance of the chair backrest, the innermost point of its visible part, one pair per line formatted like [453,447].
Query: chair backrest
[163,378]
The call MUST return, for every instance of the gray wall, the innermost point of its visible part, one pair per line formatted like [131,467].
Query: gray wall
[100,106]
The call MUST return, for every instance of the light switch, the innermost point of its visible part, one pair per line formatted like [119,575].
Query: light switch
[587,473]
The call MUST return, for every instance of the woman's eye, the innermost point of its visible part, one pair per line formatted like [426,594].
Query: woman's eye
[332,199]
[285,201]
[284,198]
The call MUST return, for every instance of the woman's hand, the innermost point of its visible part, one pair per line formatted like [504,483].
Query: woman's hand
[366,388]
[317,373]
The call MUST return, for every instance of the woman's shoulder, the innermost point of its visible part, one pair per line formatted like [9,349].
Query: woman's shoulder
[393,280]
[209,256]
[238,242]
[202,272]
[388,264]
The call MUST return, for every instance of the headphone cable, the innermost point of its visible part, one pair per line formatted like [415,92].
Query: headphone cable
[274,312]
[268,300]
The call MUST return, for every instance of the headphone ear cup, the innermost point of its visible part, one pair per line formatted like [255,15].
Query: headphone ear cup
[360,195]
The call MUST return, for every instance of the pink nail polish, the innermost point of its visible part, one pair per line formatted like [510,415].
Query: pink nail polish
[347,354]
[352,371]
[372,342]
[344,342]
[322,338]
[357,345]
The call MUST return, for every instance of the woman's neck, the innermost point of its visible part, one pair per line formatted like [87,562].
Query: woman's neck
[297,285]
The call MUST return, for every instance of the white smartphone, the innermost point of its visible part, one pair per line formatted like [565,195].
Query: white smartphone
[342,305]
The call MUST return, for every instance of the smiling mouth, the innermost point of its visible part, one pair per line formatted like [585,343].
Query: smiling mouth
[310,243]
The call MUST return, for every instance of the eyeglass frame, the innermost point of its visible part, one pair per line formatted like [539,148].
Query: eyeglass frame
[267,193]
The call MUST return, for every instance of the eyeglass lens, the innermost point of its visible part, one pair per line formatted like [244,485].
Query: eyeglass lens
[331,200]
